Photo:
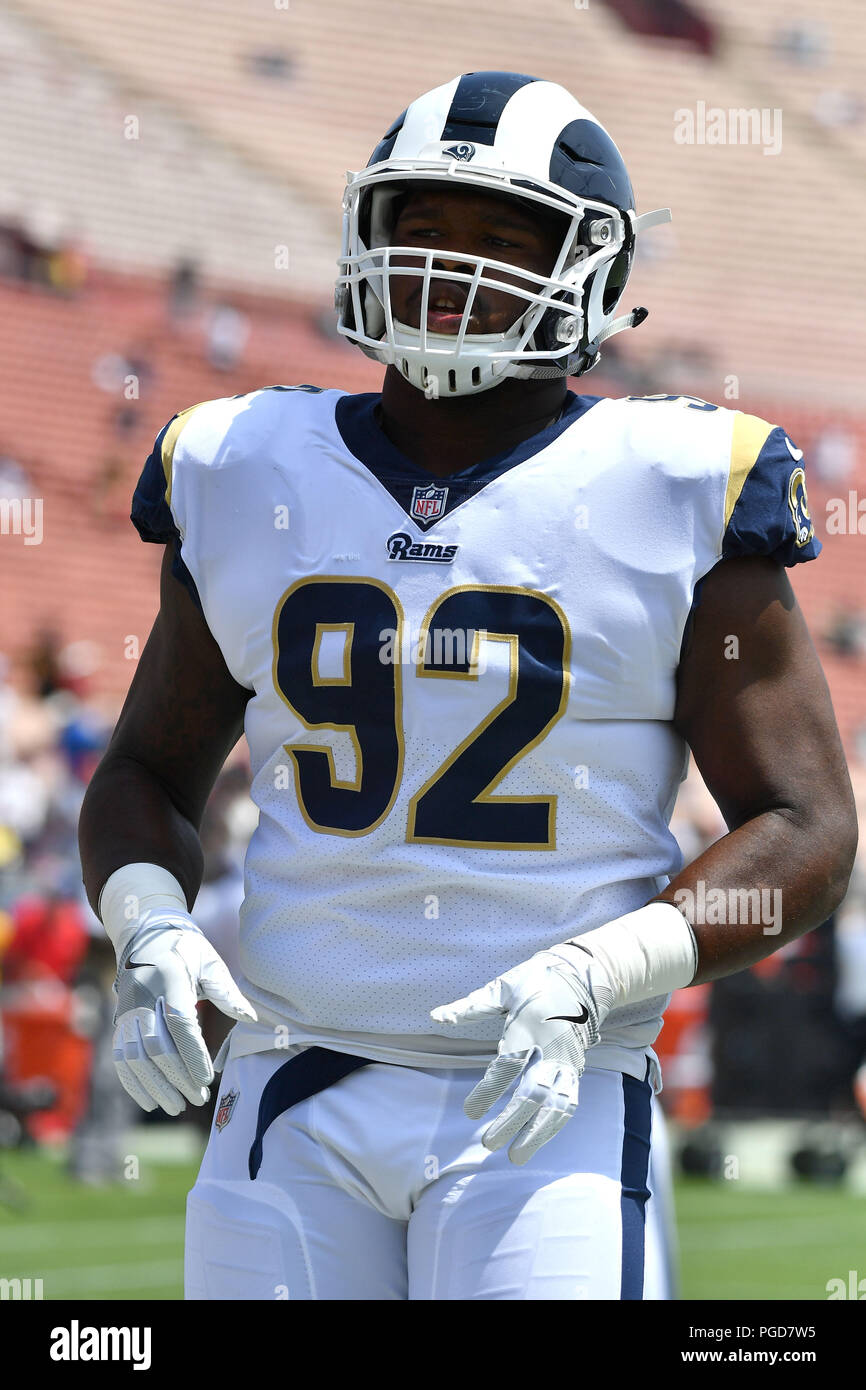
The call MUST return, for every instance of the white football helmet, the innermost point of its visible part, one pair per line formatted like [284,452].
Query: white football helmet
[499,132]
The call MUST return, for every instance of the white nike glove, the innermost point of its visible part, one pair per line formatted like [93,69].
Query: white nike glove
[159,1050]
[554,1006]
[553,1012]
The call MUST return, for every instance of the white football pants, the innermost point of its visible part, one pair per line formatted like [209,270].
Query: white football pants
[376,1186]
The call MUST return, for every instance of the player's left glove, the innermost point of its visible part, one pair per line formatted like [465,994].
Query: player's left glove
[554,1006]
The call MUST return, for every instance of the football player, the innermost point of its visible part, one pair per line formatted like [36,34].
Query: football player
[470,626]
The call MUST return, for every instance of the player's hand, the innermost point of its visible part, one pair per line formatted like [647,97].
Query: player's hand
[159,1051]
[553,1007]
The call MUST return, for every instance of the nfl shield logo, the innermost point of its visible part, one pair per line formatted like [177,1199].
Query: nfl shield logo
[428,504]
[225,1108]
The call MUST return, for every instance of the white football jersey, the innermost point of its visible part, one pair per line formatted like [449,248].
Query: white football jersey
[460,727]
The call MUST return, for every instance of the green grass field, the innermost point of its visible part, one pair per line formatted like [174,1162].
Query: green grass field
[125,1241]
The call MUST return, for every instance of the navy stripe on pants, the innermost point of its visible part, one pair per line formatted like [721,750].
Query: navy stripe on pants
[635,1193]
[299,1077]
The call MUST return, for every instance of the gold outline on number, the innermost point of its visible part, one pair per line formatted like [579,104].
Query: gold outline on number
[346,678]
[485,796]
[478,634]
[342,728]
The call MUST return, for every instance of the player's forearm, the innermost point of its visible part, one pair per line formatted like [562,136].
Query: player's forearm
[773,878]
[128,817]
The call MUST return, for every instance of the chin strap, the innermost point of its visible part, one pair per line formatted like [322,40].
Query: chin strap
[591,352]
[631,320]
[637,315]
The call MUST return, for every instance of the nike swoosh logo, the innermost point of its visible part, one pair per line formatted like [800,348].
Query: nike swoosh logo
[571,1018]
[796,454]
[135,964]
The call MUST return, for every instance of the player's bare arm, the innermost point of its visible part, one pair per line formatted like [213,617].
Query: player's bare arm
[754,707]
[182,716]
[142,859]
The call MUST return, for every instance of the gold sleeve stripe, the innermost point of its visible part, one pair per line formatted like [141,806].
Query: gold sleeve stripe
[169,443]
[747,441]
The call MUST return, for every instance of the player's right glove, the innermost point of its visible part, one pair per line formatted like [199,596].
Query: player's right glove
[159,1050]
[553,1007]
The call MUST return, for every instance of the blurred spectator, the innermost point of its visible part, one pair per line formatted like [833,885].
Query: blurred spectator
[805,42]
[25,795]
[851,956]
[83,739]
[66,268]
[110,496]
[45,663]
[79,661]
[108,372]
[126,375]
[272,64]
[45,1038]
[668,19]
[35,249]
[183,292]
[49,934]
[833,455]
[14,252]
[836,108]
[8,706]
[846,631]
[14,479]
[228,330]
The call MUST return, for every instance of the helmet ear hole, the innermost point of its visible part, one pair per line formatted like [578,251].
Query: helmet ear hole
[615,283]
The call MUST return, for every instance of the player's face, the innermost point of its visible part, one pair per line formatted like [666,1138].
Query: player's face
[476,224]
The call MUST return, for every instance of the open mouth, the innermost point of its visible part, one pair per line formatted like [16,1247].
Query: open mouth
[444,320]
[445,308]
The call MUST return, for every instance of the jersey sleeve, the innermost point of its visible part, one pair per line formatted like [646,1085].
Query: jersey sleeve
[151,512]
[766,506]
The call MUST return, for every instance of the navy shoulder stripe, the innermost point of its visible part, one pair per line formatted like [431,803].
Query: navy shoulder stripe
[151,514]
[767,508]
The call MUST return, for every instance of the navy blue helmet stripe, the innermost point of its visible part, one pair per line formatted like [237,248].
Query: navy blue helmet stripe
[478,103]
[586,160]
[386,145]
